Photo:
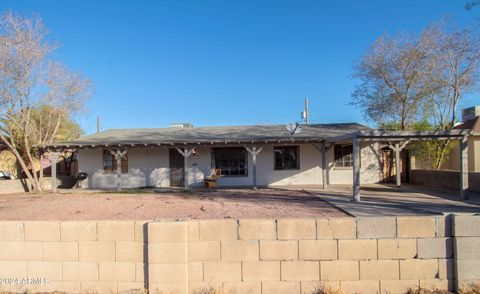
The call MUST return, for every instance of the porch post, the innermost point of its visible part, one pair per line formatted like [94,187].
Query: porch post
[186,154]
[53,159]
[118,157]
[254,152]
[356,169]
[397,165]
[324,166]
[464,168]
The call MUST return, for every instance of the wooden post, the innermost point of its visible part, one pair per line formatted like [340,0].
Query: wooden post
[254,152]
[53,159]
[356,169]
[397,165]
[464,168]
[324,166]
[118,156]
[186,154]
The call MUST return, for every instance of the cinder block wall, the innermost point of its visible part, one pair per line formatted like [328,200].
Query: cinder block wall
[356,255]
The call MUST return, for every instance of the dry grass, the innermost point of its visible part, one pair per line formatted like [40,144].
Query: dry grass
[327,290]
[209,290]
[472,289]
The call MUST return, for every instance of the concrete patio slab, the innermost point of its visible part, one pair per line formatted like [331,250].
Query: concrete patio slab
[388,200]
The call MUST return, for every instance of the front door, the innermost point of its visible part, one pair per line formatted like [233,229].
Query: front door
[176,164]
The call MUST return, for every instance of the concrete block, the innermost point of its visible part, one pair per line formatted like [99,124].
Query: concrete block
[195,271]
[116,230]
[257,229]
[80,271]
[357,249]
[435,247]
[398,286]
[317,249]
[140,270]
[12,231]
[221,230]
[397,248]
[466,225]
[116,271]
[376,227]
[167,252]
[131,287]
[416,227]
[468,269]
[45,269]
[296,229]
[339,270]
[239,250]
[364,287]
[336,228]
[261,271]
[141,230]
[318,286]
[28,251]
[129,251]
[281,287]
[418,269]
[167,232]
[167,273]
[446,269]
[203,251]
[278,250]
[81,231]
[60,251]
[437,284]
[242,287]
[379,270]
[444,226]
[96,251]
[300,270]
[467,247]
[42,231]
[223,271]
[192,231]
[98,287]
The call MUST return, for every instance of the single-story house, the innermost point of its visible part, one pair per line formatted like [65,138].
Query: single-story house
[260,155]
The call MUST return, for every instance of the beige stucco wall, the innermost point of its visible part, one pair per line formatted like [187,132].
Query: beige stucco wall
[453,162]
[149,167]
[260,256]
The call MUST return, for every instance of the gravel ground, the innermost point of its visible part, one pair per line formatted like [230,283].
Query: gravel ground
[234,203]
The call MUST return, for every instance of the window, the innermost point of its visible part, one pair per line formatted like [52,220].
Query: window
[230,161]
[343,155]
[110,163]
[286,157]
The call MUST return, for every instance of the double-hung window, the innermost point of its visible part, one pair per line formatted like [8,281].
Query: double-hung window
[286,157]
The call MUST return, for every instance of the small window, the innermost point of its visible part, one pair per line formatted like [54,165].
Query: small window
[286,157]
[230,161]
[343,155]
[110,163]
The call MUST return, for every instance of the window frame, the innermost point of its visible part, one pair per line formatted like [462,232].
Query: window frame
[214,166]
[297,147]
[349,164]
[113,170]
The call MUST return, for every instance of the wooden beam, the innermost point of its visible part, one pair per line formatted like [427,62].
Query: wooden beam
[356,169]
[464,168]
[186,154]
[53,159]
[118,154]
[324,148]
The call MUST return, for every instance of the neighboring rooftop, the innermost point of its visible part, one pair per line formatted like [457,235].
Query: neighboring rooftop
[210,135]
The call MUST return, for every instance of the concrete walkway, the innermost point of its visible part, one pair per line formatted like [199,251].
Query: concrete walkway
[387,200]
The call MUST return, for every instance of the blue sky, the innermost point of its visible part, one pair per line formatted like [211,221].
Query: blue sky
[225,62]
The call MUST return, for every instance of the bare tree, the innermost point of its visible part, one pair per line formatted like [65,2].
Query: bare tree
[391,74]
[30,80]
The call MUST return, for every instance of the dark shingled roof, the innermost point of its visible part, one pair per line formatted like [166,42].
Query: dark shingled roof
[206,135]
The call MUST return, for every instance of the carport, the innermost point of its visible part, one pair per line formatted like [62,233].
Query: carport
[397,141]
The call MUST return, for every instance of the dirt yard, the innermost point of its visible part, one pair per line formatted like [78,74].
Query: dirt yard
[237,203]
